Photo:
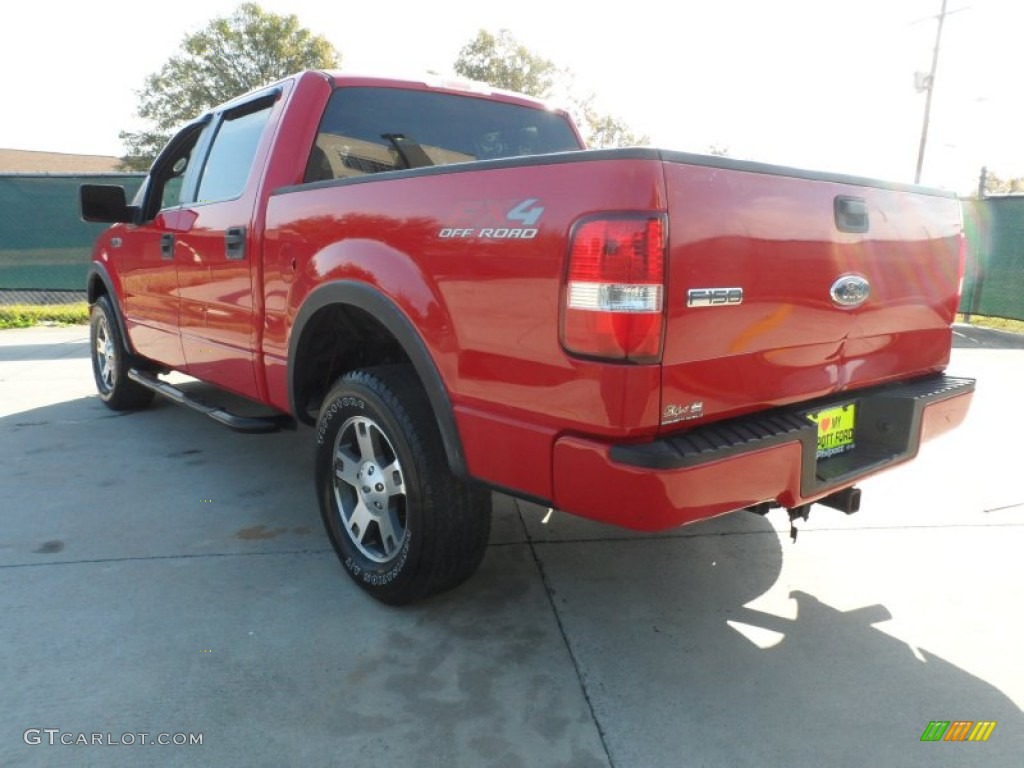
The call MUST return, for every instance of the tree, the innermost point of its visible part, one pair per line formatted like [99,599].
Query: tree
[994,185]
[230,56]
[600,129]
[503,62]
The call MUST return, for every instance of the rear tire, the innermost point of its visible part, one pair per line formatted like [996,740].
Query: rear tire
[403,526]
[111,362]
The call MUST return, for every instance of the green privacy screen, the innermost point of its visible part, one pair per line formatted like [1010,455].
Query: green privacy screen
[44,244]
[994,282]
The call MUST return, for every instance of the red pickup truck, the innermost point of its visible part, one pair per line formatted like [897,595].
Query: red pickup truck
[459,298]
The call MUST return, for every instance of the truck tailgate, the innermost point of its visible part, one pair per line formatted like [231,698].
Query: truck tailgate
[766,270]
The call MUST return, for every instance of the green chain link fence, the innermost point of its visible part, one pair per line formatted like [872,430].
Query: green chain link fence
[44,244]
[994,282]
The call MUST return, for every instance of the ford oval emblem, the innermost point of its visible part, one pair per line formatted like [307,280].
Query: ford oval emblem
[850,291]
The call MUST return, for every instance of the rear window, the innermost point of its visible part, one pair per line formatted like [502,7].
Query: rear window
[370,130]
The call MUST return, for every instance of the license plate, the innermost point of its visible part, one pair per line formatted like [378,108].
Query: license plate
[836,428]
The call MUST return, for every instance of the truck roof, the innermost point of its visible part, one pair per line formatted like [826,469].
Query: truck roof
[456,86]
[436,83]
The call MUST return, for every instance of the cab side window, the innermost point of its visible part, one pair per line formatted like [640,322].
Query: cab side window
[174,182]
[231,156]
[166,183]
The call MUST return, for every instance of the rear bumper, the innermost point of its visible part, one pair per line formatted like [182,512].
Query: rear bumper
[767,456]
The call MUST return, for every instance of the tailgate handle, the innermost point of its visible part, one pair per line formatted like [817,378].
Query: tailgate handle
[234,243]
[166,246]
[851,214]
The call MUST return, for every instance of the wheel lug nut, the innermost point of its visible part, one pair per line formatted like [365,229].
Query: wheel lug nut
[366,489]
[380,487]
[378,505]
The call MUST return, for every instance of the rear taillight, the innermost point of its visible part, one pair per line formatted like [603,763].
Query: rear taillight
[615,288]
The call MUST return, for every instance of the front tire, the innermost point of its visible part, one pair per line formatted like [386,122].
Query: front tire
[403,526]
[110,361]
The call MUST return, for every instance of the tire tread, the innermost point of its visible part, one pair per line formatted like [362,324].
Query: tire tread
[126,395]
[456,515]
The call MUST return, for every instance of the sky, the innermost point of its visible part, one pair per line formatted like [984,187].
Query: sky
[818,84]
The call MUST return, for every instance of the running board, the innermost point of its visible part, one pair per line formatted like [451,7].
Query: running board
[249,424]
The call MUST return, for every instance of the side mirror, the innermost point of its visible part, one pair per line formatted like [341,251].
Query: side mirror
[105,203]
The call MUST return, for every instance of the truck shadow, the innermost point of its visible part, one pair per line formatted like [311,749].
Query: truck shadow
[675,667]
[163,481]
[675,664]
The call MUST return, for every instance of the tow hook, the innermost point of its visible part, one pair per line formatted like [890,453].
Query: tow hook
[797,513]
[847,500]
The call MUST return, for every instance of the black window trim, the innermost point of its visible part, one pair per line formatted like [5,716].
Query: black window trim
[151,202]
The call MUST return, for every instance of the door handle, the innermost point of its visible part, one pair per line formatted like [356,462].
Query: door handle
[166,246]
[234,243]
[851,214]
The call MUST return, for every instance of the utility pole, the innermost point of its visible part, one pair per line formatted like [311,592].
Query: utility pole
[928,98]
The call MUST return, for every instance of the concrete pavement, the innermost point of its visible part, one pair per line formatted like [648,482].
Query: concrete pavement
[160,574]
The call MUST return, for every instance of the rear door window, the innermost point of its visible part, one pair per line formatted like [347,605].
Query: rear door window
[234,147]
[370,130]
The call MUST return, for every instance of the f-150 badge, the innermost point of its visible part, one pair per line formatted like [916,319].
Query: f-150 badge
[713,297]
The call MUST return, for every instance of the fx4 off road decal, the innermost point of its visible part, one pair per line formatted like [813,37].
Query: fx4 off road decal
[494,220]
